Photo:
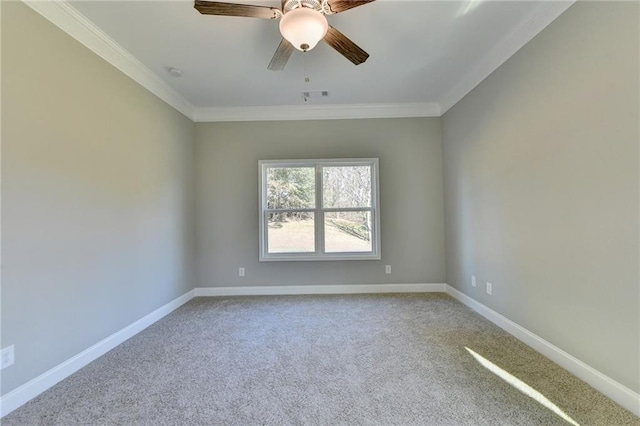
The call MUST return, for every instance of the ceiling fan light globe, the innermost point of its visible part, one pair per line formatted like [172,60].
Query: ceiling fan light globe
[303,28]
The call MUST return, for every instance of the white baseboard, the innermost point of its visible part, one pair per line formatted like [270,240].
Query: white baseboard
[320,289]
[612,389]
[35,387]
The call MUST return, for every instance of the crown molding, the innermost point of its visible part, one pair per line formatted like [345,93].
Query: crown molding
[538,19]
[317,112]
[69,20]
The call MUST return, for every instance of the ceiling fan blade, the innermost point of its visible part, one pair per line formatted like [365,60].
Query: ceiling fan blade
[337,6]
[282,55]
[344,46]
[232,9]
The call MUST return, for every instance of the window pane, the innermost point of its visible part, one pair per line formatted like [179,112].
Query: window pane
[346,186]
[291,188]
[347,232]
[291,233]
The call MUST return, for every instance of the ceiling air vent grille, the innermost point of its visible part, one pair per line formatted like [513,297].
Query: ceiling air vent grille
[314,94]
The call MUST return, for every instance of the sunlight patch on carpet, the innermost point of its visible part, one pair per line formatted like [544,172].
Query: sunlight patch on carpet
[521,386]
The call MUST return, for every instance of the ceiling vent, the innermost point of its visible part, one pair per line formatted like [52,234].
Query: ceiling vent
[314,94]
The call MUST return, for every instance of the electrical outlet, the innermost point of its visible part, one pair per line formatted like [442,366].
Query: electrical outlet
[489,288]
[387,269]
[473,280]
[6,357]
[241,271]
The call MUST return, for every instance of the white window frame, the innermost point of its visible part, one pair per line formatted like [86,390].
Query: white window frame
[319,210]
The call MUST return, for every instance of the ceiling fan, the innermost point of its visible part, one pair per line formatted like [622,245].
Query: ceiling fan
[302,25]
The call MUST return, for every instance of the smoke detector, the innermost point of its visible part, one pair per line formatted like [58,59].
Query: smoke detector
[174,72]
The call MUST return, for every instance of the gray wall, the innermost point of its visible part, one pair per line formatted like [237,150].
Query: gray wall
[541,188]
[410,197]
[97,199]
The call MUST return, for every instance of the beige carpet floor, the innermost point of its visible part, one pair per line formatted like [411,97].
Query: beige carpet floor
[404,359]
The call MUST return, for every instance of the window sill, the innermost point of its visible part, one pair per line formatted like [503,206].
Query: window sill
[316,258]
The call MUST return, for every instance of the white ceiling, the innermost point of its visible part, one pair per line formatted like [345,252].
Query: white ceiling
[424,54]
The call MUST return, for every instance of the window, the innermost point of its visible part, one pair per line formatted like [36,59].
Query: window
[319,209]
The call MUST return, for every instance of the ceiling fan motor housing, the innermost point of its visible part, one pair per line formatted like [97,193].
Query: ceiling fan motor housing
[288,5]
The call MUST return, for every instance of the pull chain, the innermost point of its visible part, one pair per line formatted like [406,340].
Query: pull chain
[307,80]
